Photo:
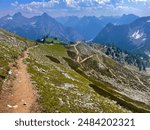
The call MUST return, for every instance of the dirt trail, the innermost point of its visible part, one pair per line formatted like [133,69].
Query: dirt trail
[18,94]
[77,53]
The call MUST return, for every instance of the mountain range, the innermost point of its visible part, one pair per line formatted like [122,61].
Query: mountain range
[69,28]
[90,26]
[134,37]
[128,32]
[37,27]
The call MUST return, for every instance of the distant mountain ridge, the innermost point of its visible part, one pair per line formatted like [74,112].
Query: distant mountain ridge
[132,37]
[70,28]
[119,20]
[90,26]
[38,26]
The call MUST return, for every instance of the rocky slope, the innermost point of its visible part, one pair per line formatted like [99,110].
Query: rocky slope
[126,80]
[141,61]
[132,37]
[90,26]
[77,77]
[60,87]
[80,78]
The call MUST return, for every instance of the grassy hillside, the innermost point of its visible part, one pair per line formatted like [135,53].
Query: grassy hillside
[128,87]
[68,85]
[77,77]
[11,47]
[62,89]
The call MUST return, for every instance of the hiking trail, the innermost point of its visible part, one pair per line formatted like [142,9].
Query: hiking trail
[18,93]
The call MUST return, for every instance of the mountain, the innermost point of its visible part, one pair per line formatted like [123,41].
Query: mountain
[38,26]
[126,19]
[69,28]
[119,20]
[89,26]
[132,37]
[81,78]
[11,22]
[141,61]
[59,77]
[70,21]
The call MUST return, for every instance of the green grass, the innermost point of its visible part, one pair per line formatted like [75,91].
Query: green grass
[107,90]
[53,59]
[51,40]
[51,77]
[11,47]
[8,54]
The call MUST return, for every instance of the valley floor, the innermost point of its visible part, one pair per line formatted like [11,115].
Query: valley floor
[18,93]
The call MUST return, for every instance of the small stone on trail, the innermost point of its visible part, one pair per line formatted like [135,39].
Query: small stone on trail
[16,106]
[24,102]
[10,72]
[9,106]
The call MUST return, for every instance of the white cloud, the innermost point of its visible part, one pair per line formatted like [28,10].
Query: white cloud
[138,0]
[72,3]
[83,6]
[102,1]
[147,2]
[15,3]
[67,3]
[127,9]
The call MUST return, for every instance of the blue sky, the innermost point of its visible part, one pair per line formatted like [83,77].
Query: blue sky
[75,7]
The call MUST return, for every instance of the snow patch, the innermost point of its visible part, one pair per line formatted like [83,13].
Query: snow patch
[147,53]
[137,35]
[33,24]
[144,39]
[148,21]
[9,18]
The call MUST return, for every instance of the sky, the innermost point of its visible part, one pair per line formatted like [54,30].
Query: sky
[58,8]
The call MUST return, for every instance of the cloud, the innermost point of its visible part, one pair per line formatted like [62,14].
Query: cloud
[145,2]
[127,9]
[138,0]
[71,3]
[63,4]
[15,3]
[82,7]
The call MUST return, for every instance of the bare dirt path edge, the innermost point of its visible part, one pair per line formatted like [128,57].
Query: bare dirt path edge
[19,95]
